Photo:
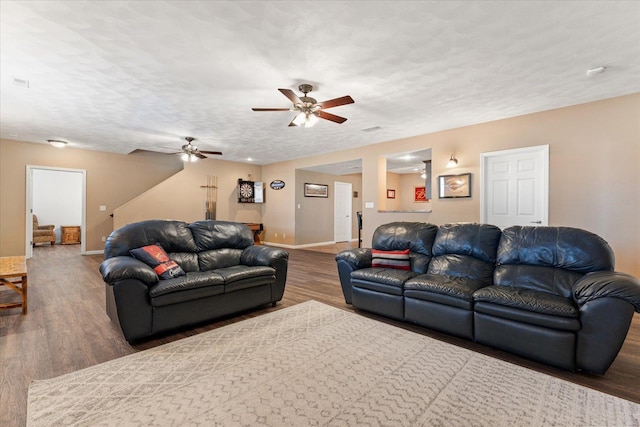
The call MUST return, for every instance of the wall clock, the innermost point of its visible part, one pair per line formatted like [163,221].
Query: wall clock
[246,191]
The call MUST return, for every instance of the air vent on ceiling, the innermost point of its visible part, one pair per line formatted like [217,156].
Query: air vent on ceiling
[375,128]
[21,82]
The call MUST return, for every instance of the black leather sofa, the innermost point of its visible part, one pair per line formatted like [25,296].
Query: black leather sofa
[225,274]
[546,293]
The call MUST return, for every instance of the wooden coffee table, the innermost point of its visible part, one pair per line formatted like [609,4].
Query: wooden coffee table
[13,272]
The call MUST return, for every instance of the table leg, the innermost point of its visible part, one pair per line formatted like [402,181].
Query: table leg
[24,294]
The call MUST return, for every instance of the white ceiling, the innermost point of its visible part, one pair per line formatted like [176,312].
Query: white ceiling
[119,76]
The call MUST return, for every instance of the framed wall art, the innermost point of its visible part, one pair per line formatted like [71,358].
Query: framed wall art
[454,186]
[420,194]
[316,190]
[391,194]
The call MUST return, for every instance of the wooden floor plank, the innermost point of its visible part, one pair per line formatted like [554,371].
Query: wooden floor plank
[67,328]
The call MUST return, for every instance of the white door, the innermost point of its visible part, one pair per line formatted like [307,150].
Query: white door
[342,212]
[514,187]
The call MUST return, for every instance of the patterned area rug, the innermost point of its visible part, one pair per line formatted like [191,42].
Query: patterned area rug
[315,365]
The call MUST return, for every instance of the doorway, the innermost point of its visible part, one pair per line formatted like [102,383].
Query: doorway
[342,206]
[514,187]
[60,189]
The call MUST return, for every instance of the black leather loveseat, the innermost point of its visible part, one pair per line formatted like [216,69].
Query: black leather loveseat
[547,293]
[219,272]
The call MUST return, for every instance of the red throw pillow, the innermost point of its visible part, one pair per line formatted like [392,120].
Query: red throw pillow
[391,259]
[155,257]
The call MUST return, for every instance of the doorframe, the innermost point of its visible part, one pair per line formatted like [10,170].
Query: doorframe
[29,207]
[484,159]
[350,202]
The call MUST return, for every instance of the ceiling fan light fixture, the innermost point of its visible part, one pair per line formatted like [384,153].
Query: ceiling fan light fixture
[305,119]
[57,143]
[452,163]
[189,157]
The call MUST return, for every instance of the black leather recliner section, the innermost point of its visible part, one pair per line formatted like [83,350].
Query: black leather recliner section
[463,261]
[380,290]
[546,293]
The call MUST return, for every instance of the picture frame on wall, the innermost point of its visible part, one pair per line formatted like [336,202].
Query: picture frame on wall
[316,190]
[454,186]
[420,194]
[391,194]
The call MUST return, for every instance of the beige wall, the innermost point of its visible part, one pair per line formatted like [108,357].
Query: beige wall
[112,179]
[314,218]
[181,197]
[594,168]
[594,165]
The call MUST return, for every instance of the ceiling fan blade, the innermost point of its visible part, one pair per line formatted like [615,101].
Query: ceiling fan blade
[336,102]
[292,120]
[216,153]
[199,155]
[332,117]
[271,109]
[291,95]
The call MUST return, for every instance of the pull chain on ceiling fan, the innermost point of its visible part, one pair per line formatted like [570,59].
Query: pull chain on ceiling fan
[309,111]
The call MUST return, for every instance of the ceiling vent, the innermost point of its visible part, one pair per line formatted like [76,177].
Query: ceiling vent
[373,129]
[21,82]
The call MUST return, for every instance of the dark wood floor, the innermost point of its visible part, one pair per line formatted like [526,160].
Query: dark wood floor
[67,329]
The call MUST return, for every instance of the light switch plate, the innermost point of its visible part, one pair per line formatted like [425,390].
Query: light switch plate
[368,205]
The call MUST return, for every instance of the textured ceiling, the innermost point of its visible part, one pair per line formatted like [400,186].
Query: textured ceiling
[120,76]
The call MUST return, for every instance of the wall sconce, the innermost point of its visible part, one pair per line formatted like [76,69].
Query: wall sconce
[57,143]
[453,162]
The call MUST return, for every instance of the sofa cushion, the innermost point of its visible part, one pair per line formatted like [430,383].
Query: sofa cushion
[386,280]
[242,276]
[479,241]
[390,259]
[155,257]
[527,299]
[562,247]
[210,235]
[463,266]
[174,236]
[506,314]
[218,258]
[537,278]
[187,261]
[422,286]
[416,236]
[186,288]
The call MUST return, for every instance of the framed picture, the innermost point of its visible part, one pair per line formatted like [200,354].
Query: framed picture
[420,194]
[454,186]
[391,194]
[316,190]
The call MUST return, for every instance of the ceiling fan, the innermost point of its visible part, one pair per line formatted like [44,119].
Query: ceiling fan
[190,152]
[308,109]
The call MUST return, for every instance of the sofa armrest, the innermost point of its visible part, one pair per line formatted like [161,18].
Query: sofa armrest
[123,267]
[263,255]
[46,227]
[607,284]
[272,257]
[348,261]
[357,258]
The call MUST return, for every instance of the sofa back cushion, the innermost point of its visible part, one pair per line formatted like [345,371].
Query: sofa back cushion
[218,258]
[173,236]
[418,237]
[549,259]
[210,235]
[466,250]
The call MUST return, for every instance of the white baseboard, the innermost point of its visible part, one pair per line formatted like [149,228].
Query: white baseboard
[98,252]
